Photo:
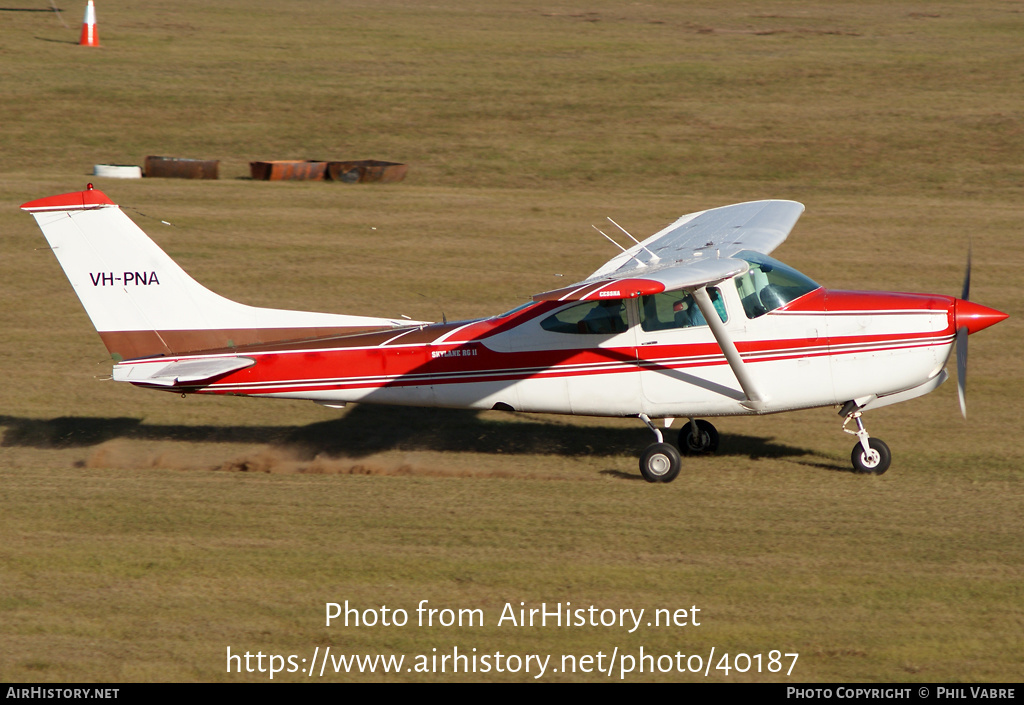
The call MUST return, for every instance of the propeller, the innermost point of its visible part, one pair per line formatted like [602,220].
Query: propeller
[961,342]
[969,318]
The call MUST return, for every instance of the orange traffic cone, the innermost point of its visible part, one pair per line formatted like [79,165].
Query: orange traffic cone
[90,37]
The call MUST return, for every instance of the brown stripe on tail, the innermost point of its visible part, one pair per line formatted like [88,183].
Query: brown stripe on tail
[129,345]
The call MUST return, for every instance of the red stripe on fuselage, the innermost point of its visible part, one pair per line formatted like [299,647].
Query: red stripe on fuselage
[352,369]
[410,358]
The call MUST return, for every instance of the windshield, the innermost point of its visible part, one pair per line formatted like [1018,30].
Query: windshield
[769,284]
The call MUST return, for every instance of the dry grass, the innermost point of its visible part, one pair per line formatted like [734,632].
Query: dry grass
[145,533]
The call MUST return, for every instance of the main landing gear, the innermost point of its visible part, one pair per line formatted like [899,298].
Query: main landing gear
[870,456]
[661,461]
[698,437]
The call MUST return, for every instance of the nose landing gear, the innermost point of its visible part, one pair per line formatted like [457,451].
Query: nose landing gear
[871,456]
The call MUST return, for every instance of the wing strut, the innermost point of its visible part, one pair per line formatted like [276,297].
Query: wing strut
[755,399]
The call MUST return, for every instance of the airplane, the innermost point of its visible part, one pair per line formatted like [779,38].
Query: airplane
[695,321]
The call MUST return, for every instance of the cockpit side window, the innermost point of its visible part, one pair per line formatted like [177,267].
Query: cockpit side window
[591,317]
[676,309]
[769,284]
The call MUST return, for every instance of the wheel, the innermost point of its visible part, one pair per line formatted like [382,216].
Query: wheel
[707,438]
[661,462]
[877,463]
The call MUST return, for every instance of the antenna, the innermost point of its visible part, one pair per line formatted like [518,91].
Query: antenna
[608,238]
[653,256]
[638,261]
[444,318]
[623,230]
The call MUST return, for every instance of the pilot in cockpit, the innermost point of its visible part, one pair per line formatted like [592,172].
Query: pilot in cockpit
[605,318]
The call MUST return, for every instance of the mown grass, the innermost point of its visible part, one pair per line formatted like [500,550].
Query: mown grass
[145,533]
[667,95]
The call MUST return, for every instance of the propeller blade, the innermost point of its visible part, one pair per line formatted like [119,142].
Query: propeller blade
[961,342]
[965,295]
[961,368]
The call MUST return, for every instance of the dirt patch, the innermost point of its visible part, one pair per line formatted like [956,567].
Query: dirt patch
[127,455]
[282,462]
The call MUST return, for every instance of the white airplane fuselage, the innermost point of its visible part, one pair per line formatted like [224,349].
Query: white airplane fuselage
[822,349]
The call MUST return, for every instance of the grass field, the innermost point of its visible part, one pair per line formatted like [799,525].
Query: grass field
[144,534]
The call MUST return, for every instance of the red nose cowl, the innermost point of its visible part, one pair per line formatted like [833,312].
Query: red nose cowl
[975,317]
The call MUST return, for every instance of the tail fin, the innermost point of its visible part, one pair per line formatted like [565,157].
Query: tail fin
[143,304]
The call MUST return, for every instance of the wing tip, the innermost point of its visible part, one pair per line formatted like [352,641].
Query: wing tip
[76,200]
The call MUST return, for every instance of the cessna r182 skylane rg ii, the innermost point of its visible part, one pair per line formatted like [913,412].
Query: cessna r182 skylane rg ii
[694,321]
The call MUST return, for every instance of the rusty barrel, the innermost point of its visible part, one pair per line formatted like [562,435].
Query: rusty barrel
[177,168]
[366,171]
[288,170]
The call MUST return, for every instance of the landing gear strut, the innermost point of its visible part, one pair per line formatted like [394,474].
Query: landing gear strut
[871,455]
[661,462]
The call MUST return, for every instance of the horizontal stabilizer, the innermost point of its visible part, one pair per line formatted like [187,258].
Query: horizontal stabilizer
[181,373]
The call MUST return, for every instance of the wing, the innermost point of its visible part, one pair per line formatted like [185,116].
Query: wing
[697,249]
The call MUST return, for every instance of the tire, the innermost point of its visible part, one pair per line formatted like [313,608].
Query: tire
[661,462]
[866,466]
[707,433]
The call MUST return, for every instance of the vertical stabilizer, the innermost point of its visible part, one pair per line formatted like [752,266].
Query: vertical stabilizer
[142,303]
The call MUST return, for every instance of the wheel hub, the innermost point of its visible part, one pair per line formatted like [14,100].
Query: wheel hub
[659,465]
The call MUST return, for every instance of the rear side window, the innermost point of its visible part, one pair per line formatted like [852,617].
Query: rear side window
[590,317]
